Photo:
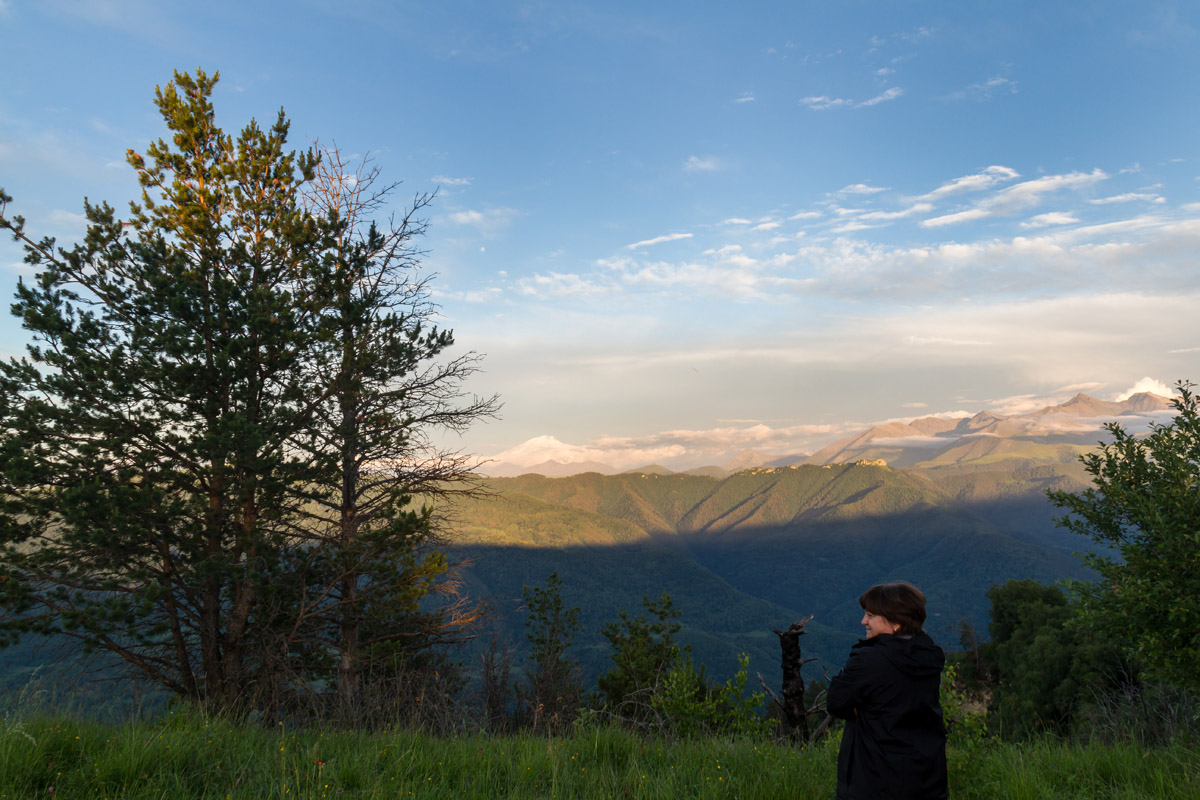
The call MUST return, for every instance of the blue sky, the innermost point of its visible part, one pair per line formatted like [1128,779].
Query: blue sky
[679,230]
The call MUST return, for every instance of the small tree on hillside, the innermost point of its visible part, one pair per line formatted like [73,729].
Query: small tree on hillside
[553,692]
[644,650]
[1145,503]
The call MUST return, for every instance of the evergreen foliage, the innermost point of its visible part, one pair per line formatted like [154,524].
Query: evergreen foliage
[554,693]
[644,649]
[208,454]
[655,684]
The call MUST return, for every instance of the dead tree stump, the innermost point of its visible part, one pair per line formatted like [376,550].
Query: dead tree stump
[795,719]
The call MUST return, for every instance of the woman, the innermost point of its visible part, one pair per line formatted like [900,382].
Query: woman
[894,745]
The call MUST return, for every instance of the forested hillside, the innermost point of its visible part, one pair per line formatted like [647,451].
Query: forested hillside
[760,549]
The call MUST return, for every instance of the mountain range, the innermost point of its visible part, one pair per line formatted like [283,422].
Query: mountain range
[953,505]
[1074,426]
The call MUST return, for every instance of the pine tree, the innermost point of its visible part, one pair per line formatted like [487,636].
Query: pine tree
[190,399]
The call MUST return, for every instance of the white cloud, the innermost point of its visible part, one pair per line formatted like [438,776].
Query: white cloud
[911,211]
[986,89]
[692,447]
[1146,385]
[736,221]
[698,164]
[890,94]
[670,237]
[953,219]
[853,225]
[558,284]
[485,295]
[445,180]
[1029,193]
[1141,253]
[68,223]
[1129,197]
[1019,196]
[746,97]
[859,188]
[806,215]
[984,179]
[766,226]
[486,222]
[145,19]
[1053,218]
[823,102]
[1076,388]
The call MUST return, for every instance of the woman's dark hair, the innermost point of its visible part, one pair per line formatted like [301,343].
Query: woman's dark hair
[899,602]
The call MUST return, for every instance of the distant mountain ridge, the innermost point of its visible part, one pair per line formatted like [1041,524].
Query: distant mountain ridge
[1066,428]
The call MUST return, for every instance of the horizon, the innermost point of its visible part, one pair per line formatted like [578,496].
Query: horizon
[546,451]
[678,232]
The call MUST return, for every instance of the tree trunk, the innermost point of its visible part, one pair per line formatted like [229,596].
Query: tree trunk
[795,719]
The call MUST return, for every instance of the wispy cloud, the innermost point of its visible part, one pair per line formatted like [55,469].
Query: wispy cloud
[859,188]
[956,218]
[746,97]
[699,164]
[916,209]
[890,94]
[145,19]
[1053,218]
[1128,197]
[1019,196]
[986,89]
[486,222]
[693,447]
[557,284]
[824,102]
[670,237]
[448,181]
[1163,249]
[984,179]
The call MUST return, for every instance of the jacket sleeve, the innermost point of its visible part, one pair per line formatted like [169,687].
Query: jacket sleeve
[845,688]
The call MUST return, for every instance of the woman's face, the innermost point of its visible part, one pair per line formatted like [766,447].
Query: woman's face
[876,625]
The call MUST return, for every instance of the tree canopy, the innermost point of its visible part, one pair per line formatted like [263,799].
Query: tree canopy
[1144,507]
[212,450]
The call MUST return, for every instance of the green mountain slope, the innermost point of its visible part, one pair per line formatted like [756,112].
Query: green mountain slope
[607,566]
[764,545]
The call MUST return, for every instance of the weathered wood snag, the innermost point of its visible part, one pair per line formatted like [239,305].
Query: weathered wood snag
[795,720]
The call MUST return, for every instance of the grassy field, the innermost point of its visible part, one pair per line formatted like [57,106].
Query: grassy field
[187,755]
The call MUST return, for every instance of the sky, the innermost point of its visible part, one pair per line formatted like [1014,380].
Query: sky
[676,231]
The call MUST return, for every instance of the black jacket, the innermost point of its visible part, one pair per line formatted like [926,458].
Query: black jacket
[894,746]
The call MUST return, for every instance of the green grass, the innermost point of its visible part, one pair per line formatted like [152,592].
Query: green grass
[187,755]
